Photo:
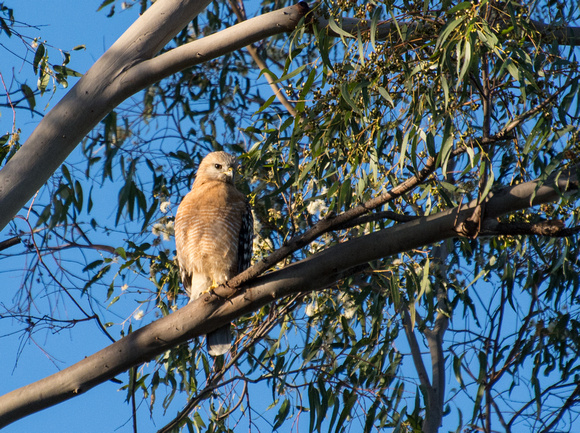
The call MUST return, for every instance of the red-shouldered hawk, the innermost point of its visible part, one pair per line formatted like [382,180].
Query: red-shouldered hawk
[214,230]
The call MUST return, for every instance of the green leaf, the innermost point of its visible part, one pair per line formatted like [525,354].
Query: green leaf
[282,414]
[67,72]
[338,30]
[314,402]
[452,25]
[29,95]
[113,301]
[5,27]
[292,74]
[457,370]
[386,95]
[266,104]
[344,92]
[92,265]
[461,6]
[349,399]
[105,4]
[404,145]
[374,23]
[308,84]
[488,185]
[466,56]
[38,56]
[78,196]
[43,81]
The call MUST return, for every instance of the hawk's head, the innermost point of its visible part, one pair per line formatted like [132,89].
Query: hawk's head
[218,166]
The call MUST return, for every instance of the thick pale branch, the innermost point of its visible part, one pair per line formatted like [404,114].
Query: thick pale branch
[564,35]
[210,312]
[216,45]
[126,68]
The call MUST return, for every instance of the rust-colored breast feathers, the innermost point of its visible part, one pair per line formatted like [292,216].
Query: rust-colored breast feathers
[207,229]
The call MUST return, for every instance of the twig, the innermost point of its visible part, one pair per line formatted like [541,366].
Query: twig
[552,228]
[41,260]
[10,103]
[10,242]
[253,51]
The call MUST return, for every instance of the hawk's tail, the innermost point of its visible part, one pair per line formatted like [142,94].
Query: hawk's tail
[219,341]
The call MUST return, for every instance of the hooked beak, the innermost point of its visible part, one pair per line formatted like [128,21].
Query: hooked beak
[230,174]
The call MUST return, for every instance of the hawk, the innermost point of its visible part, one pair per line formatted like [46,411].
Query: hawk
[213,235]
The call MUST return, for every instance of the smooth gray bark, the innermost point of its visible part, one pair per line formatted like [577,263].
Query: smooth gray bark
[314,273]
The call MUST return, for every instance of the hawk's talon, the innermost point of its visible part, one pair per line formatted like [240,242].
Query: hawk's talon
[211,289]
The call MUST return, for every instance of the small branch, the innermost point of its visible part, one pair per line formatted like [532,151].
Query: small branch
[517,121]
[214,382]
[241,15]
[415,351]
[63,288]
[518,342]
[553,228]
[215,45]
[572,400]
[377,216]
[10,242]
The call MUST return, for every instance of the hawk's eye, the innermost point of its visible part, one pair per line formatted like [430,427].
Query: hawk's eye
[218,166]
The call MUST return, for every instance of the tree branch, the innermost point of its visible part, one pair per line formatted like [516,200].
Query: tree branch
[210,47]
[415,350]
[553,228]
[564,35]
[10,242]
[313,273]
[333,223]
